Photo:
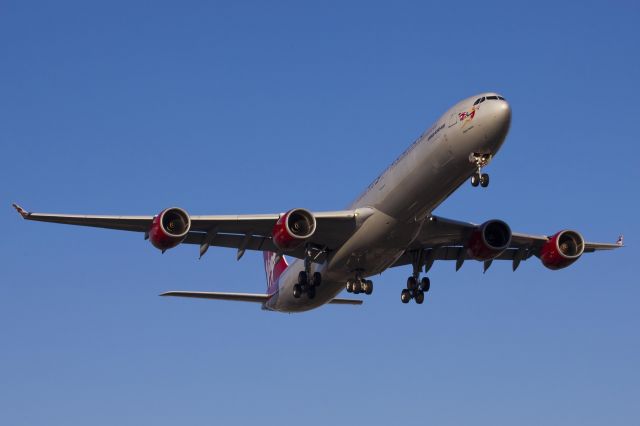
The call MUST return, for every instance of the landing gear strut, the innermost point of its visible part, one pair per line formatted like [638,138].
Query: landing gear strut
[416,287]
[359,285]
[479,178]
[307,281]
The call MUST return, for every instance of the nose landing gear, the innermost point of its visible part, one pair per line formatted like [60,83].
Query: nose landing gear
[480,161]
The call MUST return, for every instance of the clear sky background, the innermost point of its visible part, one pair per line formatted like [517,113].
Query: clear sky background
[239,107]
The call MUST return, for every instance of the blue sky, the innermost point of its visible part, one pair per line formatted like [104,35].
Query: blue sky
[239,107]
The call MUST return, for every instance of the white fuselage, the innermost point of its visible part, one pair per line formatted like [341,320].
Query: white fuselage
[395,206]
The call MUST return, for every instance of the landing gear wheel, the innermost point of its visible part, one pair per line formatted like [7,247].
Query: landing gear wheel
[419,297]
[475,179]
[316,279]
[425,284]
[484,180]
[367,287]
[412,283]
[357,287]
[302,278]
[311,292]
[405,296]
[350,285]
[297,291]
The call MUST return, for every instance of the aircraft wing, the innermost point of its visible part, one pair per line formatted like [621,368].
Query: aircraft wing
[243,232]
[444,239]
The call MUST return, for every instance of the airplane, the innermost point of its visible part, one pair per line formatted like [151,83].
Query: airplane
[390,224]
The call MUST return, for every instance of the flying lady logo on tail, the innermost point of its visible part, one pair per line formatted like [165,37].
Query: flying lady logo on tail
[274,266]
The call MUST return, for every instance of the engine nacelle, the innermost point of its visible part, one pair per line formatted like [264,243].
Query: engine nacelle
[489,240]
[293,228]
[562,250]
[169,228]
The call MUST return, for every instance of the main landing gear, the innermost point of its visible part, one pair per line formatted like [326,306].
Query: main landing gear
[415,290]
[307,282]
[359,285]
[479,178]
[307,286]
[416,287]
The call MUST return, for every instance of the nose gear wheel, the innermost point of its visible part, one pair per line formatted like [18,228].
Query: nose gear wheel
[480,161]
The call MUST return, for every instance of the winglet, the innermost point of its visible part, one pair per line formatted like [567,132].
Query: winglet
[20,210]
[620,241]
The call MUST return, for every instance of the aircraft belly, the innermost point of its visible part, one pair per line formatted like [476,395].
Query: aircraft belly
[376,244]
[283,300]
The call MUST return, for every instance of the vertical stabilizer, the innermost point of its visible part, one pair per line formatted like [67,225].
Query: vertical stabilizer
[274,266]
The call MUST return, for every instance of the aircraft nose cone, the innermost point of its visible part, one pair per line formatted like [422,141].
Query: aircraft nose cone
[503,116]
[500,121]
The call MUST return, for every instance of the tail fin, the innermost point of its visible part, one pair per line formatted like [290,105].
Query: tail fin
[274,266]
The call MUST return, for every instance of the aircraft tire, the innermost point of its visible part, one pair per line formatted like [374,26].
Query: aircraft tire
[349,286]
[425,284]
[368,287]
[405,296]
[302,278]
[412,283]
[419,297]
[311,292]
[297,291]
[316,279]
[484,180]
[475,179]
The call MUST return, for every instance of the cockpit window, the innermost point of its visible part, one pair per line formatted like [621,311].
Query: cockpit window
[495,98]
[501,98]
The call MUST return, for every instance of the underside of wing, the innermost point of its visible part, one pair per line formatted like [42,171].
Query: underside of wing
[447,239]
[242,232]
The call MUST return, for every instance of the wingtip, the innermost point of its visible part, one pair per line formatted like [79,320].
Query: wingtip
[20,210]
[620,241]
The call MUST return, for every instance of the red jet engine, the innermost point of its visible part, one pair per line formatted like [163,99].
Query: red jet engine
[293,228]
[169,228]
[489,240]
[562,250]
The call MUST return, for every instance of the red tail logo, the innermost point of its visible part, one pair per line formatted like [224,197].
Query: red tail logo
[274,266]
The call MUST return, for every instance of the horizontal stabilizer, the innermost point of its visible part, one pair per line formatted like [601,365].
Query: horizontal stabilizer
[244,297]
[239,297]
[345,302]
